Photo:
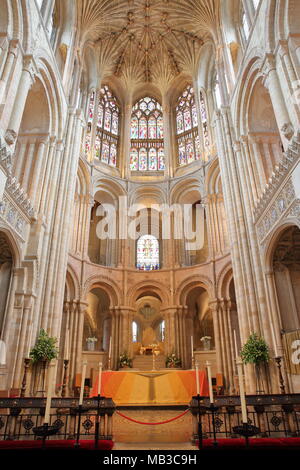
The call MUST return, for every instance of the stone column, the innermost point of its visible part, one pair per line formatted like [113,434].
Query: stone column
[25,82]
[7,69]
[35,171]
[214,307]
[281,113]
[125,146]
[81,309]
[292,77]
[167,136]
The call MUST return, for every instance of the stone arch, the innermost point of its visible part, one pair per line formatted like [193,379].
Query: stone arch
[105,283]
[147,287]
[190,283]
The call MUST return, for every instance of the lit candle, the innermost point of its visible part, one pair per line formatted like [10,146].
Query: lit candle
[49,391]
[67,345]
[242,390]
[274,341]
[211,393]
[109,351]
[29,341]
[99,378]
[235,344]
[82,382]
[197,378]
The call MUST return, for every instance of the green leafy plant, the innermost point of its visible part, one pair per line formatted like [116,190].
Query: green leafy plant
[124,360]
[255,350]
[45,348]
[173,361]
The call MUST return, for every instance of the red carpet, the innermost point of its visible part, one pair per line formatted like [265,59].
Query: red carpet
[280,442]
[56,444]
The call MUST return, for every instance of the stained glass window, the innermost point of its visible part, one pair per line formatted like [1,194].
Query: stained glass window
[147,145]
[147,253]
[188,142]
[102,135]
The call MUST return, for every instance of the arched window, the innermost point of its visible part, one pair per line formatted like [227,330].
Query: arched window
[218,93]
[134,331]
[104,118]
[245,25]
[147,136]
[147,258]
[187,128]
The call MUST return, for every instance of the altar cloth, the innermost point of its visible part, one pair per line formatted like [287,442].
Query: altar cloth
[161,387]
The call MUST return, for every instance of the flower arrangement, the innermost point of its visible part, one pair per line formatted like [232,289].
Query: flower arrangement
[124,361]
[255,350]
[45,348]
[92,339]
[173,361]
[205,338]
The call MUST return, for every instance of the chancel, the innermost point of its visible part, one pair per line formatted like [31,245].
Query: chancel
[149,222]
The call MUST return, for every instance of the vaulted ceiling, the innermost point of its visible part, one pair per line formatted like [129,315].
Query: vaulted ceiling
[147,40]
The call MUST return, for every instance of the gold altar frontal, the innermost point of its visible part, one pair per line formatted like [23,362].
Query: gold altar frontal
[161,387]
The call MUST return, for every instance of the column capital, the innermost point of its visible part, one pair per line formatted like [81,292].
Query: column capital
[268,65]
[30,66]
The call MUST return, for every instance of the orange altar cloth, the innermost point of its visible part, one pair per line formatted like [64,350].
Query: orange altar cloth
[161,387]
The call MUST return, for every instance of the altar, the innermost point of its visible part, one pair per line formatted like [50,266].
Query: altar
[161,387]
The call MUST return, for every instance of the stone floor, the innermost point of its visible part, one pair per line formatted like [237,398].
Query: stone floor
[154,446]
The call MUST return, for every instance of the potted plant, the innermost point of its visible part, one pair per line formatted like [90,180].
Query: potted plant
[90,342]
[43,352]
[206,342]
[45,348]
[256,351]
[173,361]
[124,361]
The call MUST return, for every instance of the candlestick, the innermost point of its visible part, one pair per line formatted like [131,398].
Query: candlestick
[64,384]
[29,341]
[197,378]
[67,345]
[24,381]
[82,382]
[281,380]
[99,378]
[242,390]
[274,341]
[109,350]
[211,393]
[49,391]
[235,344]
[192,346]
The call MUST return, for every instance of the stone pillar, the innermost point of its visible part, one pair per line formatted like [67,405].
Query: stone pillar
[25,83]
[214,307]
[35,171]
[81,309]
[167,136]
[291,76]
[281,113]
[7,69]
[125,146]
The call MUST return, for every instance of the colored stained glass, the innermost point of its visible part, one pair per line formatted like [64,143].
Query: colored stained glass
[187,120]
[105,115]
[147,253]
[160,128]
[113,155]
[152,159]
[134,128]
[190,151]
[143,159]
[152,128]
[107,120]
[147,136]
[182,155]
[134,159]
[105,152]
[114,124]
[187,128]
[143,129]
[161,159]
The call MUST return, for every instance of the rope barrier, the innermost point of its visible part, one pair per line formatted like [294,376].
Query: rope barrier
[153,424]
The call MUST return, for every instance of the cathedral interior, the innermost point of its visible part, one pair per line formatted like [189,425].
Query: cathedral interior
[149,188]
